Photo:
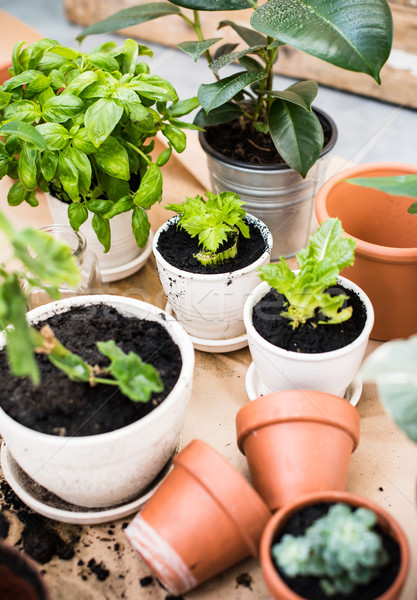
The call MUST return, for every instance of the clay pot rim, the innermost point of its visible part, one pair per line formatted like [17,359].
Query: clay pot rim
[22,558]
[215,491]
[267,235]
[364,248]
[257,414]
[384,519]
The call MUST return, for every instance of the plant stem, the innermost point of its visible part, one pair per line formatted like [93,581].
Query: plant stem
[265,84]
[142,154]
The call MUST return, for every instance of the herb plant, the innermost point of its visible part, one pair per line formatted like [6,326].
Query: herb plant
[216,220]
[320,264]
[82,126]
[341,549]
[38,260]
[399,185]
[352,35]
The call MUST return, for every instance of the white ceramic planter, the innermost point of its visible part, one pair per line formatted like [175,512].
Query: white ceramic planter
[123,248]
[329,372]
[210,306]
[109,468]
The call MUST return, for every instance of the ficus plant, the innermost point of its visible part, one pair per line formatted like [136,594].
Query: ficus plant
[305,291]
[217,221]
[37,260]
[82,127]
[353,35]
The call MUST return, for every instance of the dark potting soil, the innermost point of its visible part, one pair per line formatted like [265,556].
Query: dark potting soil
[178,248]
[311,337]
[308,587]
[248,145]
[62,407]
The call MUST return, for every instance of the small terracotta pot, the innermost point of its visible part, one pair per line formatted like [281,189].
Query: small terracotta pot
[204,518]
[19,576]
[280,591]
[297,442]
[386,244]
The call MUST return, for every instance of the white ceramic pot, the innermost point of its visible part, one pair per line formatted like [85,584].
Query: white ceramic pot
[329,372]
[109,468]
[123,247]
[210,306]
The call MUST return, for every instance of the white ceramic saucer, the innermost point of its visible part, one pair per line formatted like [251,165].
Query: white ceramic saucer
[228,345]
[255,387]
[116,273]
[49,505]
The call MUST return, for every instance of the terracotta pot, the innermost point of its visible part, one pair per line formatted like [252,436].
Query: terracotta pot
[297,442]
[19,576]
[275,584]
[386,238]
[204,518]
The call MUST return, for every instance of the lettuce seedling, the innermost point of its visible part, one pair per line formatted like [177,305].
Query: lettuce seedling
[341,549]
[327,253]
[215,221]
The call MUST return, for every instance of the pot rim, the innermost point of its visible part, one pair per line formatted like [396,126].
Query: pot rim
[364,248]
[263,288]
[150,312]
[215,277]
[240,165]
[385,520]
[18,557]
[284,407]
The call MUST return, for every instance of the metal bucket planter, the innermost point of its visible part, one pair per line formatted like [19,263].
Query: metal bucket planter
[276,194]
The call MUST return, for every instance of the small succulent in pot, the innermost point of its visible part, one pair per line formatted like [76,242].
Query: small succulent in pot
[82,126]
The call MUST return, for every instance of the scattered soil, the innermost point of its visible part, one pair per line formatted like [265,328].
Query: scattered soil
[308,587]
[311,337]
[238,141]
[89,410]
[178,248]
[245,580]
[98,569]
[4,527]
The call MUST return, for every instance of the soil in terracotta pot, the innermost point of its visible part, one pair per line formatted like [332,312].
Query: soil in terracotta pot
[248,145]
[311,337]
[63,407]
[178,248]
[308,587]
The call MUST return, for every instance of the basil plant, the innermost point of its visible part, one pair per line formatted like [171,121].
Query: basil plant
[350,34]
[81,126]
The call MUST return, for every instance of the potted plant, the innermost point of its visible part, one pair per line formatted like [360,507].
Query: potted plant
[334,545]
[20,578]
[309,329]
[106,411]
[81,127]
[297,442]
[384,227]
[204,518]
[207,259]
[262,142]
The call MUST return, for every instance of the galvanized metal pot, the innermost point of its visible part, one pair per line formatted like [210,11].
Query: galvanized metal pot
[276,194]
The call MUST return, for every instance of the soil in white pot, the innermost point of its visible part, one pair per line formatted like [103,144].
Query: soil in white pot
[311,337]
[308,587]
[178,248]
[60,406]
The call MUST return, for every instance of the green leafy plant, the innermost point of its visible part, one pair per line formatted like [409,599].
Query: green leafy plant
[327,253]
[216,220]
[82,126]
[341,549]
[352,35]
[37,260]
[399,185]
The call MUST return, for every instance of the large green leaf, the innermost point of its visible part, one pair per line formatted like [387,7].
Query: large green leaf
[302,93]
[297,135]
[196,49]
[56,135]
[112,158]
[251,37]
[224,113]
[140,226]
[63,107]
[22,110]
[101,118]
[400,185]
[127,17]
[213,95]
[227,59]
[25,132]
[150,189]
[214,4]
[26,166]
[353,35]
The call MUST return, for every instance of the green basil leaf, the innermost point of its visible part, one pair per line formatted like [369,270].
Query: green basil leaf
[16,194]
[121,206]
[213,95]
[57,79]
[302,93]
[15,57]
[63,107]
[23,110]
[4,165]
[177,137]
[82,163]
[99,207]
[51,61]
[164,157]
[101,118]
[150,189]
[31,199]
[68,174]
[45,95]
[251,37]
[131,56]
[65,52]
[77,215]
[25,132]
[227,59]
[102,228]
[49,164]
[140,226]
[55,135]
[27,166]
[196,49]
[19,80]
[79,83]
[5,98]
[82,142]
[224,113]
[37,85]
[104,61]
[153,87]
[183,107]
[131,103]
[112,158]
